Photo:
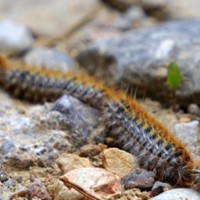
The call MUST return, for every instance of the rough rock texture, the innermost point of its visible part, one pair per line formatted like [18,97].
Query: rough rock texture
[140,178]
[60,192]
[32,137]
[118,161]
[79,119]
[140,58]
[135,194]
[67,162]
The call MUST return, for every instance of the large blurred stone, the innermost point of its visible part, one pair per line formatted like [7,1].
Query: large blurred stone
[46,17]
[140,58]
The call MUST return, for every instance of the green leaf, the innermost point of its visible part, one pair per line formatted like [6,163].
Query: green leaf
[173,76]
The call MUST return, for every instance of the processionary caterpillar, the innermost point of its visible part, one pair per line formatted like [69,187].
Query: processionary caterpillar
[133,128]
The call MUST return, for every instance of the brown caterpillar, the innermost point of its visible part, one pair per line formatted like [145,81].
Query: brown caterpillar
[133,129]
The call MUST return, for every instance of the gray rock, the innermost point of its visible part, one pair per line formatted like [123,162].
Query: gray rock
[7,147]
[140,58]
[48,58]
[10,182]
[14,38]
[140,178]
[178,194]
[79,118]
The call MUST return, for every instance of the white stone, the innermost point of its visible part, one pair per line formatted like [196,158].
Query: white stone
[187,133]
[14,38]
[178,194]
[96,183]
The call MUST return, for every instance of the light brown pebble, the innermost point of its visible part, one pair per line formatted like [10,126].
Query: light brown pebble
[119,162]
[67,162]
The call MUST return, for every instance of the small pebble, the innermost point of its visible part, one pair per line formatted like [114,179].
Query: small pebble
[14,38]
[10,182]
[7,147]
[3,177]
[96,183]
[118,161]
[178,194]
[140,178]
[159,187]
[67,162]
[22,191]
[90,150]
[38,190]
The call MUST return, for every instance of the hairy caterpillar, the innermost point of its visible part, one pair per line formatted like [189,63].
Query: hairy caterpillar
[133,129]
